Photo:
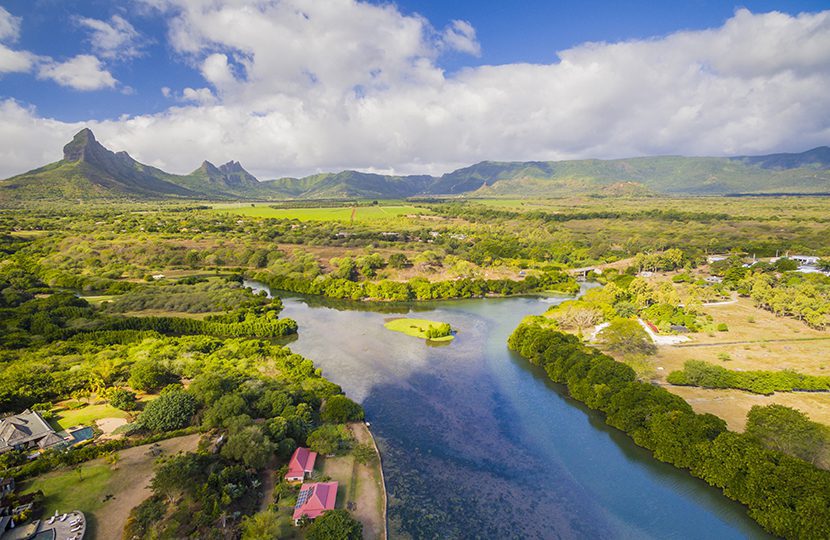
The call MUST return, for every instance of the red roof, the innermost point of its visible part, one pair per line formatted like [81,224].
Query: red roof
[302,462]
[314,499]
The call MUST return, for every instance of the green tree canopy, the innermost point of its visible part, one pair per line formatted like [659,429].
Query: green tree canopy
[170,411]
[340,409]
[335,525]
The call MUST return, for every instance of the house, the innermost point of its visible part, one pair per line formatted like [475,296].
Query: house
[6,486]
[26,430]
[300,465]
[805,260]
[314,499]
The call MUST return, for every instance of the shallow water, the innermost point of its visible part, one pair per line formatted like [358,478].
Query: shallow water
[476,443]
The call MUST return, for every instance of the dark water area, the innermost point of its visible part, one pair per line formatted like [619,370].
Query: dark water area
[477,443]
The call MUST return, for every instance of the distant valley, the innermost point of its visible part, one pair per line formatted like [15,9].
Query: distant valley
[89,171]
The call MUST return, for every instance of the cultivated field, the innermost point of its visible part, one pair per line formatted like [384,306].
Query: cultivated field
[342,213]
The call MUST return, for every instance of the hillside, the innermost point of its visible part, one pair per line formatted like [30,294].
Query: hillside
[90,171]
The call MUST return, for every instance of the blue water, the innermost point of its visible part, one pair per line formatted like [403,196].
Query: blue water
[476,443]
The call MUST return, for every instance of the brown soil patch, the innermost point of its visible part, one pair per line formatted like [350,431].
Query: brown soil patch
[767,343]
[130,484]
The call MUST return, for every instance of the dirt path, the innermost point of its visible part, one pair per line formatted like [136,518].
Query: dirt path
[269,480]
[130,484]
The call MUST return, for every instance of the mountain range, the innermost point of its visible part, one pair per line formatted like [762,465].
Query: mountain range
[89,171]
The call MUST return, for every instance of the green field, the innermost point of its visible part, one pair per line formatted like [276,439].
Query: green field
[86,416]
[72,490]
[416,328]
[362,213]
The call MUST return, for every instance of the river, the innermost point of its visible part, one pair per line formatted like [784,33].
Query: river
[477,443]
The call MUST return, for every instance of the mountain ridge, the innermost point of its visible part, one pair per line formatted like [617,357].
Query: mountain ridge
[88,170]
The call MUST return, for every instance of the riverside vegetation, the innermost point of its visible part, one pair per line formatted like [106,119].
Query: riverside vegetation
[787,496]
[104,302]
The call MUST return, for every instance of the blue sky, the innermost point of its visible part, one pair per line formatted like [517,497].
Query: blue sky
[365,73]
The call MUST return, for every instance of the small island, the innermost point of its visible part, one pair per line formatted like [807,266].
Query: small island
[422,328]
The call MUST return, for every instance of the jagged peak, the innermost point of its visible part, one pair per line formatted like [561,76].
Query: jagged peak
[78,149]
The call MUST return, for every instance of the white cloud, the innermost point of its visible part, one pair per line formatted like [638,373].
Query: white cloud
[9,26]
[461,36]
[305,85]
[113,39]
[12,61]
[83,72]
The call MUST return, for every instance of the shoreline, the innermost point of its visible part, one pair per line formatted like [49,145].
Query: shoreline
[385,534]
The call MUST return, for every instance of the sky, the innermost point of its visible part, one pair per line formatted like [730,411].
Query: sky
[294,87]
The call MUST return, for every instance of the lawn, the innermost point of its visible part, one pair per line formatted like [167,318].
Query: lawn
[86,416]
[342,213]
[416,328]
[73,489]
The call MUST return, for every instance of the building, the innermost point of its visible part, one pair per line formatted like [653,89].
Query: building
[6,486]
[300,465]
[27,430]
[314,499]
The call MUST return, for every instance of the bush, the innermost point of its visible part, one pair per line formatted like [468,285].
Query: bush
[170,411]
[722,327]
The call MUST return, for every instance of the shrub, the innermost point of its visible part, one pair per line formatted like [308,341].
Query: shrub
[170,411]
[722,327]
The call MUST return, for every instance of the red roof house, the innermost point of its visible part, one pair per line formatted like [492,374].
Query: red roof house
[314,499]
[301,464]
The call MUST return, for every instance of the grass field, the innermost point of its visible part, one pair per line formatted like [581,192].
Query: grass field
[756,340]
[360,487]
[362,213]
[73,489]
[86,416]
[105,493]
[415,327]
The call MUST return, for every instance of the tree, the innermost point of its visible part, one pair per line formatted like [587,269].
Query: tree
[335,525]
[340,409]
[267,524]
[787,430]
[168,412]
[149,375]
[328,439]
[123,399]
[626,336]
[398,260]
[225,407]
[250,446]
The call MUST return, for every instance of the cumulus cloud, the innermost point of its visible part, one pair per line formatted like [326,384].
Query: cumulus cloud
[113,39]
[461,36]
[12,61]
[296,86]
[83,72]
[9,26]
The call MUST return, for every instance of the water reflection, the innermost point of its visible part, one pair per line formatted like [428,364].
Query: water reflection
[479,444]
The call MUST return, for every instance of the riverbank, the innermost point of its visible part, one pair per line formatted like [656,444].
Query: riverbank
[362,490]
[771,485]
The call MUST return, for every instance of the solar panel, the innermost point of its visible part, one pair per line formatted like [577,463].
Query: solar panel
[303,497]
